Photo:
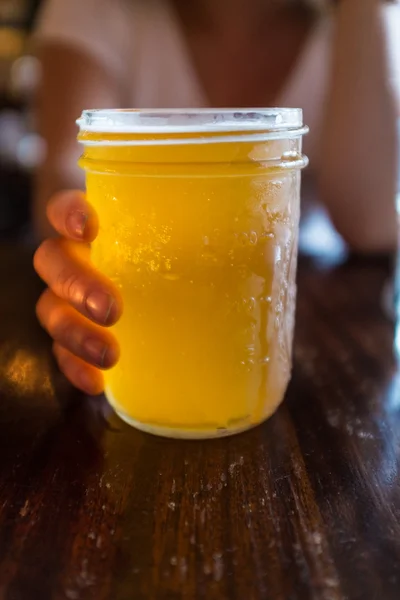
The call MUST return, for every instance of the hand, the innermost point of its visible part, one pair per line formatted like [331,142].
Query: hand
[79,302]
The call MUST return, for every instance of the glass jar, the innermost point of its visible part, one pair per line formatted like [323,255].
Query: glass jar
[199,216]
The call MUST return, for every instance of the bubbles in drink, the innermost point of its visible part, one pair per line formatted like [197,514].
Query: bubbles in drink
[206,265]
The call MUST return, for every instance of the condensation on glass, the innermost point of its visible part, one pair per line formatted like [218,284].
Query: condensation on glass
[199,214]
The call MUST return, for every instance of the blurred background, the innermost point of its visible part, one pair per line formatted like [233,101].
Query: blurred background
[20,148]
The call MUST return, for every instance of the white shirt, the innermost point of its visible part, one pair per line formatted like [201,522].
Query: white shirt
[141,41]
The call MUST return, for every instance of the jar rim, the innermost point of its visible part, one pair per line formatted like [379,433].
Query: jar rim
[205,120]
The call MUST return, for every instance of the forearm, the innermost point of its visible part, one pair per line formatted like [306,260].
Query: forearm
[359,139]
[71,81]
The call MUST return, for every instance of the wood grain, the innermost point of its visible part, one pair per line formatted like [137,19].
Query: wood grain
[306,506]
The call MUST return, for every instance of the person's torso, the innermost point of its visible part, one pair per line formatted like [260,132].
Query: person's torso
[163,72]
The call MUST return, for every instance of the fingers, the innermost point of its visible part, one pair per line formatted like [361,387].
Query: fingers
[81,347]
[76,334]
[65,267]
[81,375]
[72,216]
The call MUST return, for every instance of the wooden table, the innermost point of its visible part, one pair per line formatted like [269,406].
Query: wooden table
[307,506]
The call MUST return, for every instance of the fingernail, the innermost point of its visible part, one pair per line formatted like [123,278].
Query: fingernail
[76,223]
[96,351]
[100,306]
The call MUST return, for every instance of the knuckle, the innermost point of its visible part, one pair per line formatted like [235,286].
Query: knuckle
[55,318]
[41,307]
[38,259]
[71,286]
[48,247]
[39,312]
[57,350]
[42,255]
[59,324]
[64,335]
[66,332]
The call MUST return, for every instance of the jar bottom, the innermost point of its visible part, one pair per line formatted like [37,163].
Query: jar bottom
[195,433]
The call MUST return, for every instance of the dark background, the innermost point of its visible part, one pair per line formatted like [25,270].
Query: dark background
[20,148]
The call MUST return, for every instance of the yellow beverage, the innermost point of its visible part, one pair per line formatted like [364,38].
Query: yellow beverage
[198,228]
